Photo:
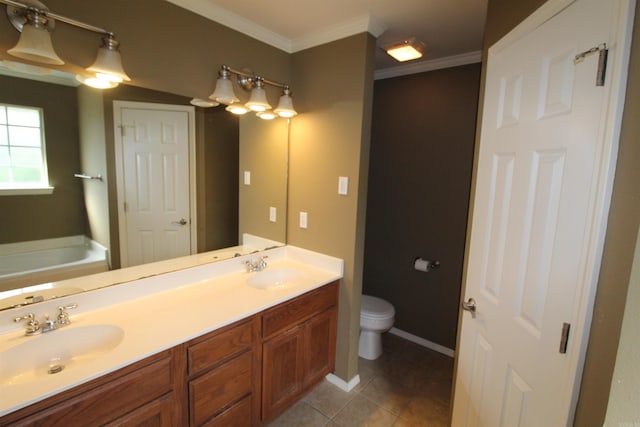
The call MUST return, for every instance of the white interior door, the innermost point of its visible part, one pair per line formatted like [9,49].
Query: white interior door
[544,174]
[154,198]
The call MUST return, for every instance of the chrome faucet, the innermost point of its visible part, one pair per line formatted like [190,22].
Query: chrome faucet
[47,325]
[256,265]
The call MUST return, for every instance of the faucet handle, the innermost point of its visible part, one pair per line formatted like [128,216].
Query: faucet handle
[63,316]
[33,326]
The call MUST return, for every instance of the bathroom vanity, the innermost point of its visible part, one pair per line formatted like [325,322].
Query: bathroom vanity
[211,345]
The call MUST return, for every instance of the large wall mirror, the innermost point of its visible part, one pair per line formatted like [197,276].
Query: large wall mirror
[240,173]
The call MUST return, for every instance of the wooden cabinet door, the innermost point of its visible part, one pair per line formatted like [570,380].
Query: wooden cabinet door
[320,347]
[158,413]
[282,371]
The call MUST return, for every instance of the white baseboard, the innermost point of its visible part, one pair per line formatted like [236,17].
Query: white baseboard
[421,341]
[342,384]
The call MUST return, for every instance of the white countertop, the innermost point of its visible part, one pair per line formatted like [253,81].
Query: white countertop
[160,312]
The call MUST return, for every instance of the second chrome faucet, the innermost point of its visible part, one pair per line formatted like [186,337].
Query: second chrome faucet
[35,327]
[256,265]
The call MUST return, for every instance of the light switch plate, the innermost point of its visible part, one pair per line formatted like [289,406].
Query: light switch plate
[247,177]
[343,185]
[303,220]
[272,214]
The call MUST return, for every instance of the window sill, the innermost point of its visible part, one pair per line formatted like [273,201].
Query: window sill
[25,191]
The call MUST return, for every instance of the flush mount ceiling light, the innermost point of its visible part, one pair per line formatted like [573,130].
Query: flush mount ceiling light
[407,50]
[35,22]
[258,101]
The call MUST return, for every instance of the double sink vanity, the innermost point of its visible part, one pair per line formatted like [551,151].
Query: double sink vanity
[231,343]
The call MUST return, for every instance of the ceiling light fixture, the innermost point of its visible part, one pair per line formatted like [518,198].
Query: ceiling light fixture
[407,50]
[35,22]
[258,102]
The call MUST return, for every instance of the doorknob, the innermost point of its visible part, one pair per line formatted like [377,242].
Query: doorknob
[470,306]
[181,222]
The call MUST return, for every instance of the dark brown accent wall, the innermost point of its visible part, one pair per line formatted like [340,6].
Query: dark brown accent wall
[62,213]
[622,227]
[419,178]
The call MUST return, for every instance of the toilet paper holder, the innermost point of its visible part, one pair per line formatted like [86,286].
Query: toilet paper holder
[425,265]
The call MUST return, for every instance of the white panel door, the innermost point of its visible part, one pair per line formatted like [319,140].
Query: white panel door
[540,177]
[155,158]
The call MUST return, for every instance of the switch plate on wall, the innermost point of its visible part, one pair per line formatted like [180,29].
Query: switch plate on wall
[272,214]
[247,177]
[303,220]
[343,185]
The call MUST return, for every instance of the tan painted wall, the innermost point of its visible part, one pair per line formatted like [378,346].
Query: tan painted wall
[62,213]
[263,152]
[623,406]
[93,160]
[330,138]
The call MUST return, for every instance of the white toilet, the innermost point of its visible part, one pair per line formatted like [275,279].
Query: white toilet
[376,317]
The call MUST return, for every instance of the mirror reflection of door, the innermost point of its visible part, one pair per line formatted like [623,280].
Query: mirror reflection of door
[152,163]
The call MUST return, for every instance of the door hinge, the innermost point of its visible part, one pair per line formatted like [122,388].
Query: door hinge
[603,53]
[564,337]
[126,207]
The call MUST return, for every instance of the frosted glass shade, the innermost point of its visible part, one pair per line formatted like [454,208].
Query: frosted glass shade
[237,109]
[224,93]
[258,100]
[35,45]
[96,82]
[108,65]
[285,107]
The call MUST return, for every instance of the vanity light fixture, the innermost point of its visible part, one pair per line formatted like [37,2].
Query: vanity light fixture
[258,101]
[407,50]
[35,22]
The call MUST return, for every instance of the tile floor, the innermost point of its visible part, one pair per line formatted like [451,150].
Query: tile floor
[408,386]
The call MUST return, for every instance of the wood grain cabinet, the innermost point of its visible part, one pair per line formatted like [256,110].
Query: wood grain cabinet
[223,376]
[241,375]
[146,393]
[299,339]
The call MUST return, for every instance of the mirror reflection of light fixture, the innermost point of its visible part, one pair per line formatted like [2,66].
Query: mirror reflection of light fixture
[204,103]
[35,22]
[266,115]
[407,50]
[237,108]
[258,102]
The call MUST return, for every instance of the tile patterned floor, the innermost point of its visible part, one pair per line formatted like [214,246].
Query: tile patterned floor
[408,386]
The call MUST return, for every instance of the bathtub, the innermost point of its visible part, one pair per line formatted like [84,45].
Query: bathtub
[30,263]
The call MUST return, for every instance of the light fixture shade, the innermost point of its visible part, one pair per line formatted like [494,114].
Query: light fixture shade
[408,50]
[258,100]
[35,45]
[224,93]
[266,115]
[285,106]
[108,63]
[96,82]
[204,103]
[237,108]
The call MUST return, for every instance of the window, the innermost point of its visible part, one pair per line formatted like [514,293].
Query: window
[23,163]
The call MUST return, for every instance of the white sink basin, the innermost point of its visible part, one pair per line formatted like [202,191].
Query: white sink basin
[56,351]
[275,278]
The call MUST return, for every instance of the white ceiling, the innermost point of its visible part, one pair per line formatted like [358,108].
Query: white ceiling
[451,29]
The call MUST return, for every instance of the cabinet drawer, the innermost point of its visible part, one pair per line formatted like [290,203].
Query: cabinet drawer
[219,388]
[290,313]
[239,415]
[220,346]
[106,402]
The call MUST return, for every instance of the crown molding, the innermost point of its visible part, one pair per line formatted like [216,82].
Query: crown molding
[361,24]
[235,22]
[431,65]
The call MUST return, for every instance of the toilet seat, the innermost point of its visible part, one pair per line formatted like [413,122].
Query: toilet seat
[375,308]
